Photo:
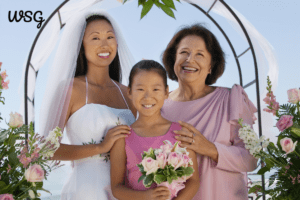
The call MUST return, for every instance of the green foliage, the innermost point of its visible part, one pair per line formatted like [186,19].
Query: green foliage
[166,5]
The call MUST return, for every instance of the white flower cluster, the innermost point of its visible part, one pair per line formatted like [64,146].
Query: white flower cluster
[251,140]
[51,143]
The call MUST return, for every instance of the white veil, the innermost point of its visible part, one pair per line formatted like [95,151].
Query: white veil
[60,78]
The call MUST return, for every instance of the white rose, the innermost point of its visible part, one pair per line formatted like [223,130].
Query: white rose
[16,120]
[150,165]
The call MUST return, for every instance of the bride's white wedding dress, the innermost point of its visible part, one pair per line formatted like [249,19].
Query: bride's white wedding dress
[90,178]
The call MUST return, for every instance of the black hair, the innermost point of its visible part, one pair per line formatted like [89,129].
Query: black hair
[115,71]
[148,65]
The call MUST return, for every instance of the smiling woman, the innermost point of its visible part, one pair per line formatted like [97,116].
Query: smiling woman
[90,104]
[195,59]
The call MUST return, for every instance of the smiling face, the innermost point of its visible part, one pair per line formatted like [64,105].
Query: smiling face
[193,61]
[148,93]
[100,44]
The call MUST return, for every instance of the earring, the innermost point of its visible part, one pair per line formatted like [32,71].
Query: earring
[210,71]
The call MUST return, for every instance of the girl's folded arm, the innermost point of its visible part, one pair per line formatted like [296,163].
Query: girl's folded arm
[118,171]
[193,183]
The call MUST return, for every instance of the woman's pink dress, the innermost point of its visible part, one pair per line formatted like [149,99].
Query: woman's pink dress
[135,146]
[216,116]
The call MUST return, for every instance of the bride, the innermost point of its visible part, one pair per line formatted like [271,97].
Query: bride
[89,101]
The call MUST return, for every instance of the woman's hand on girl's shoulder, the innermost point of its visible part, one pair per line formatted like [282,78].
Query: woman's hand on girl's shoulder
[113,135]
[158,193]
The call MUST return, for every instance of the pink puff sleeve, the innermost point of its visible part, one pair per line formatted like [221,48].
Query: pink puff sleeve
[236,158]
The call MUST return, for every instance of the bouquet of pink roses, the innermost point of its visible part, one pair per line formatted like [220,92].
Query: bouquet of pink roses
[167,166]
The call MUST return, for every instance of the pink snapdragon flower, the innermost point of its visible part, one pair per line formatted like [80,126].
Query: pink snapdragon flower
[270,99]
[5,84]
[284,122]
[24,160]
[3,75]
[6,197]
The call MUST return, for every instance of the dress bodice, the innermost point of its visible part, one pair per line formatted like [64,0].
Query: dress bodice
[92,121]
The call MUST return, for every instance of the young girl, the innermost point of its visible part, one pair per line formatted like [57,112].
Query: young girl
[147,89]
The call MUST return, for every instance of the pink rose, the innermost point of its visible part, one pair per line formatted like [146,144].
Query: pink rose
[186,160]
[287,145]
[294,95]
[174,187]
[34,173]
[16,120]
[162,160]
[6,197]
[175,160]
[150,165]
[284,122]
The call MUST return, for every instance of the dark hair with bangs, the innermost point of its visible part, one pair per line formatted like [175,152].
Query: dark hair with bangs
[148,65]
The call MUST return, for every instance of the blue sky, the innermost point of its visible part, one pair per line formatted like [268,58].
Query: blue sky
[276,20]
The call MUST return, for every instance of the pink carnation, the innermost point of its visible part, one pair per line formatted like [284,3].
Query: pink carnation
[284,122]
[6,197]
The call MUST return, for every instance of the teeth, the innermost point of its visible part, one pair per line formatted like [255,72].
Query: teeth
[103,54]
[148,106]
[189,68]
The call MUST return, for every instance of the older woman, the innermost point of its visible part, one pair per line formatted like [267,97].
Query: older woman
[208,114]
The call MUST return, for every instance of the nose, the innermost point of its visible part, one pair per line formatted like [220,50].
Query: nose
[147,94]
[103,43]
[190,58]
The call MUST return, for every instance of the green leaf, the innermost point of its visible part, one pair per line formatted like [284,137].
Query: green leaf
[148,180]
[13,159]
[159,178]
[169,180]
[146,8]
[254,189]
[141,2]
[2,184]
[263,170]
[169,3]
[167,10]
[3,135]
[295,131]
[188,171]
[141,178]
[39,185]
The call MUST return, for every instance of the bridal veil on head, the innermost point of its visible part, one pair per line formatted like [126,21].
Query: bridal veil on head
[60,78]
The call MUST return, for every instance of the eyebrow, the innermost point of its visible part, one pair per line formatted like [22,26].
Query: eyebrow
[152,85]
[106,32]
[188,48]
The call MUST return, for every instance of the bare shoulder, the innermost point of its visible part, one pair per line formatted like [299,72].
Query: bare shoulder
[124,90]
